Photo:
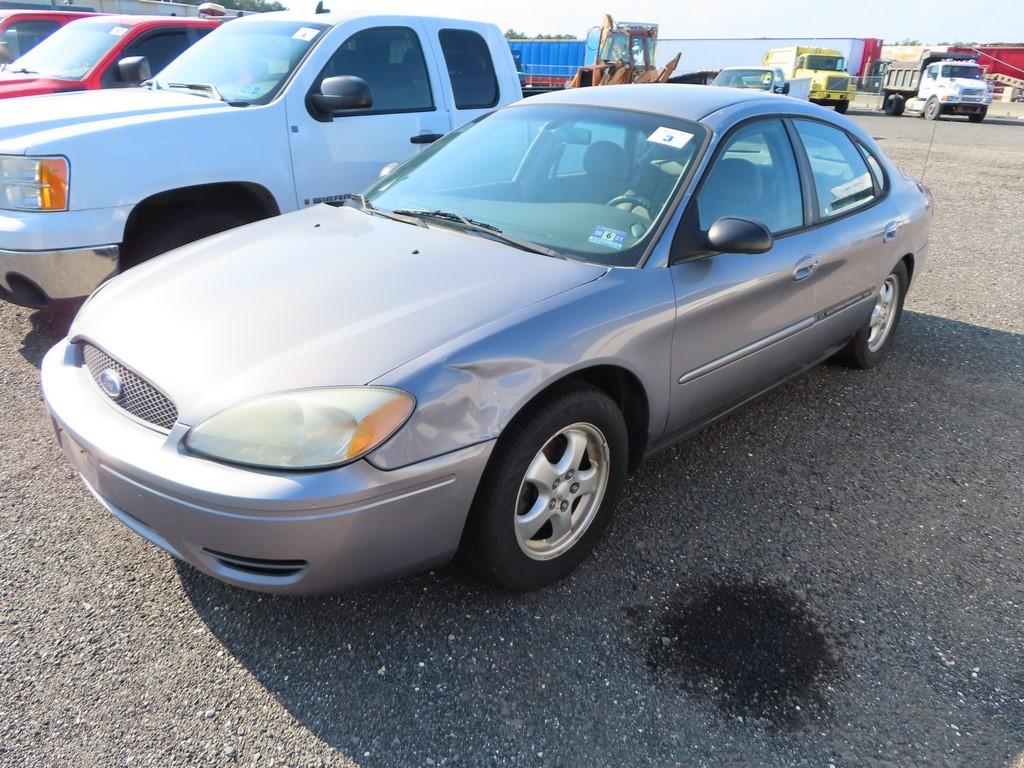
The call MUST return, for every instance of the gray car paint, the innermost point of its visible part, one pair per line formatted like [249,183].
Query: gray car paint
[475,330]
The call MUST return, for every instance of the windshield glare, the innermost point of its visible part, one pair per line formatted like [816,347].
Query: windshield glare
[825,63]
[960,70]
[245,61]
[589,183]
[744,78]
[72,51]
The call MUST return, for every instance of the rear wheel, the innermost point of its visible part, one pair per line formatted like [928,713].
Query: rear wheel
[894,105]
[932,109]
[163,232]
[842,106]
[977,117]
[549,491]
[867,348]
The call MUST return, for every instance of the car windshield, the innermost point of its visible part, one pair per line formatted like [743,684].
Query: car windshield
[961,70]
[586,182]
[826,63]
[245,61]
[744,78]
[72,52]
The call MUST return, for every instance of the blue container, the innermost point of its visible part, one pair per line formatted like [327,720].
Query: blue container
[548,62]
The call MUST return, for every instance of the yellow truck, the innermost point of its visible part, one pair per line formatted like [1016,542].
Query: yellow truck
[831,84]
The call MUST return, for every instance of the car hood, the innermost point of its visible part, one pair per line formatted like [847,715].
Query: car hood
[325,296]
[47,118]
[13,86]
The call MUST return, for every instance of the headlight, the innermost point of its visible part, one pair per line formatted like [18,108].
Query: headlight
[33,183]
[304,429]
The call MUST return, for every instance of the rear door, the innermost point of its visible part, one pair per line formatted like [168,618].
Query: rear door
[346,153]
[467,65]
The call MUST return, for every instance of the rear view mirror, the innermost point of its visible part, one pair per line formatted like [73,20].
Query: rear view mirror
[341,93]
[134,70]
[733,235]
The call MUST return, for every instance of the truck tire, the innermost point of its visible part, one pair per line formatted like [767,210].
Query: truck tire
[159,234]
[977,117]
[842,106]
[932,109]
[894,105]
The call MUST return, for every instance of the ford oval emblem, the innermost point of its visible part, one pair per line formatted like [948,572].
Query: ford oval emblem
[110,383]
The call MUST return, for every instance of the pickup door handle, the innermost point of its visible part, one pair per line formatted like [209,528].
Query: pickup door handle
[805,267]
[426,138]
[891,230]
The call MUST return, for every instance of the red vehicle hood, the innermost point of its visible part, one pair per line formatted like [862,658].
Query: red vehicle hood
[35,86]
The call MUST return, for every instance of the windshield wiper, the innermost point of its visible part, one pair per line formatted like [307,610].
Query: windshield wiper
[366,205]
[21,71]
[482,227]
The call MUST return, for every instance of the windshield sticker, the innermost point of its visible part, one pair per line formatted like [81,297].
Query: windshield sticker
[670,137]
[306,34]
[118,31]
[612,238]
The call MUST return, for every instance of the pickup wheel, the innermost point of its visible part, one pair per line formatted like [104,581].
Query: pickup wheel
[842,106]
[932,109]
[162,232]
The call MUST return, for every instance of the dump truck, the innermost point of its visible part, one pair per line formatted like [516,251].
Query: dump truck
[831,84]
[940,83]
[624,53]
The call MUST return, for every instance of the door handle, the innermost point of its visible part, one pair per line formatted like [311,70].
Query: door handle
[805,267]
[891,230]
[426,138]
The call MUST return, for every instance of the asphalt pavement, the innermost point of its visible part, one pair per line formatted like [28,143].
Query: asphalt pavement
[832,577]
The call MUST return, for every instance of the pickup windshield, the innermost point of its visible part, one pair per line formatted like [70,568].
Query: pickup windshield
[825,63]
[244,61]
[961,70]
[583,182]
[71,52]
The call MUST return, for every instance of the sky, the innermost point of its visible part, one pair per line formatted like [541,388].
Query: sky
[931,21]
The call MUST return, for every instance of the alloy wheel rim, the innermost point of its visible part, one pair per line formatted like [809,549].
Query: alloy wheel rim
[562,491]
[883,314]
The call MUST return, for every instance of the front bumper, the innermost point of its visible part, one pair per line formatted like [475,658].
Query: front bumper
[293,533]
[35,278]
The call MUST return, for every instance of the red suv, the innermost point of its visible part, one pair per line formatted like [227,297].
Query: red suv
[101,52]
[20,31]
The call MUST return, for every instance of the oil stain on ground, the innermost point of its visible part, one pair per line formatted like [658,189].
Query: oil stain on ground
[755,649]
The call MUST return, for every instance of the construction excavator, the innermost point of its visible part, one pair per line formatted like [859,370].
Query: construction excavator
[624,53]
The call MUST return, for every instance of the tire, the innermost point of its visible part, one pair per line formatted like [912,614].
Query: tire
[842,107]
[863,351]
[496,543]
[979,116]
[163,232]
[932,109]
[894,105]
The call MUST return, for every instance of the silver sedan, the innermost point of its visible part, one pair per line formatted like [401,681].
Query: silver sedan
[469,358]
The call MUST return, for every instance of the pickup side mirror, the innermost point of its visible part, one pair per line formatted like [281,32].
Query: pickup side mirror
[341,93]
[784,89]
[134,70]
[734,235]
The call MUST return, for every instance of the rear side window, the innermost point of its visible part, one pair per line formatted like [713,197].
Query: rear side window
[755,177]
[470,69]
[842,179]
[390,60]
[874,165]
[24,35]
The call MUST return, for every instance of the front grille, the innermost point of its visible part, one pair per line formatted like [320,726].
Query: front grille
[138,397]
[837,83]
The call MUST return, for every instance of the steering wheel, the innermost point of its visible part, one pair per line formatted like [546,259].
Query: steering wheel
[634,200]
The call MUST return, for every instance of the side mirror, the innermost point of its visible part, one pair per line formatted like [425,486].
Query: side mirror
[341,93]
[733,235]
[134,69]
[785,88]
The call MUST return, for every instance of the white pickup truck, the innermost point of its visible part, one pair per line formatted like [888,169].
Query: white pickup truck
[267,114]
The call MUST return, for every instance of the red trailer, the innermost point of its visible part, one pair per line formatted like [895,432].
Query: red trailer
[997,59]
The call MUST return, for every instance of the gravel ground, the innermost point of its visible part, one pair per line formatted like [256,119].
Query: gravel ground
[833,577]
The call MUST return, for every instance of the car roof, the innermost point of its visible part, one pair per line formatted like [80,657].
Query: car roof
[44,12]
[134,21]
[690,102]
[333,18]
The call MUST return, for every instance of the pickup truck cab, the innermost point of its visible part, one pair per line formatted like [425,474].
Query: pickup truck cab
[939,84]
[267,114]
[21,31]
[830,83]
[91,53]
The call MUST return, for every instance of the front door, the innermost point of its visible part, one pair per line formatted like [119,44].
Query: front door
[346,153]
[741,318]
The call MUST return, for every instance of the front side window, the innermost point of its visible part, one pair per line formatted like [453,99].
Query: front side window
[507,170]
[469,68]
[245,61]
[842,179]
[22,36]
[755,177]
[391,61]
[71,52]
[160,49]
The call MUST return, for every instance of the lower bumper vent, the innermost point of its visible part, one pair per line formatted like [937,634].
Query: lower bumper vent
[255,566]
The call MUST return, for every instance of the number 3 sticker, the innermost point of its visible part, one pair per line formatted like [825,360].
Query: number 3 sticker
[670,138]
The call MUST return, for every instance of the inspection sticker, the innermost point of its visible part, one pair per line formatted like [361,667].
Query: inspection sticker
[118,31]
[670,137]
[613,238]
[306,34]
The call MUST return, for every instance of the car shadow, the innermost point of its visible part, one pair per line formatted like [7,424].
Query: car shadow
[48,327]
[767,515]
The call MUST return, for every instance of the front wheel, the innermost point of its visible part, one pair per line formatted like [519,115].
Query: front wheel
[871,343]
[977,117]
[842,106]
[932,109]
[549,490]
[163,232]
